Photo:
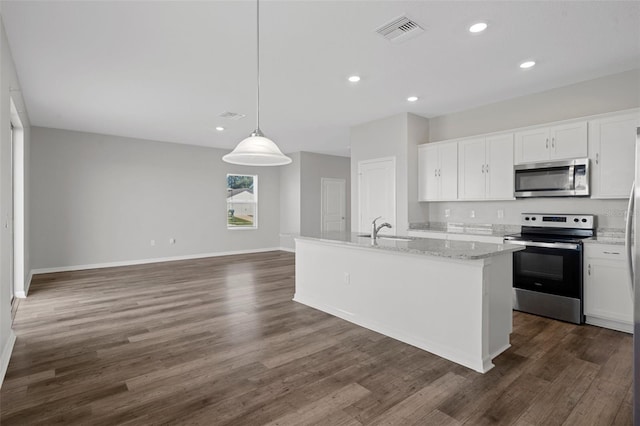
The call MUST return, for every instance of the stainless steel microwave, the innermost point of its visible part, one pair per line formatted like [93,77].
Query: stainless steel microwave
[553,179]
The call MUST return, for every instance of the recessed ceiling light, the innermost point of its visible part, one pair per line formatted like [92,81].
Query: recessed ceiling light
[527,64]
[354,78]
[219,128]
[478,28]
[412,98]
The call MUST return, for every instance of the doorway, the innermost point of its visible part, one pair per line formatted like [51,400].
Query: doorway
[16,221]
[333,205]
[377,192]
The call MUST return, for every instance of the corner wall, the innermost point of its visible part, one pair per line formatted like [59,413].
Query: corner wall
[100,200]
[10,89]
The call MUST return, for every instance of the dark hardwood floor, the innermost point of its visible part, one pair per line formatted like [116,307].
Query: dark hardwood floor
[218,341]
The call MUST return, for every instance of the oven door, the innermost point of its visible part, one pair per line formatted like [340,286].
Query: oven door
[552,268]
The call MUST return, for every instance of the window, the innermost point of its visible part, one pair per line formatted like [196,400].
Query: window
[242,201]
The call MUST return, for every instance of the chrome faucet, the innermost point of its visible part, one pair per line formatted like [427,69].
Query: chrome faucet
[375,229]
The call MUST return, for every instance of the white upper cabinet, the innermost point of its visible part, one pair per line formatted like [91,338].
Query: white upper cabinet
[561,142]
[438,171]
[611,148]
[485,168]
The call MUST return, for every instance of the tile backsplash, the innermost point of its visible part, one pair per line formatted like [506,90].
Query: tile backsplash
[609,213]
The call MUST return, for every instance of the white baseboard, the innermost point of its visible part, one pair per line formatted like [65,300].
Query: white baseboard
[6,355]
[145,261]
[27,284]
[290,250]
[611,324]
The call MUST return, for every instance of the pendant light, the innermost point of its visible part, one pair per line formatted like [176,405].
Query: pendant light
[257,150]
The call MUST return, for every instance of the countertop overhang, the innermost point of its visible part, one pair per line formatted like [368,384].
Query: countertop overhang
[464,250]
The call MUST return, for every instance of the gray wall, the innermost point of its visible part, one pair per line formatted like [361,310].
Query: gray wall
[313,168]
[9,89]
[611,93]
[396,136]
[300,193]
[100,199]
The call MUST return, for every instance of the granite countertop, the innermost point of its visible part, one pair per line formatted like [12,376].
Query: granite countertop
[465,250]
[613,236]
[488,229]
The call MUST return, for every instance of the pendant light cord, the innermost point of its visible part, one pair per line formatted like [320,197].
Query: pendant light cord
[258,66]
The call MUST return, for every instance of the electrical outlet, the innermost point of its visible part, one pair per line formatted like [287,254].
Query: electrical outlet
[500,214]
[347,278]
[472,214]
[152,243]
[447,212]
[172,240]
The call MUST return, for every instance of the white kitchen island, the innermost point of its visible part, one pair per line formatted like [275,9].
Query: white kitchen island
[451,298]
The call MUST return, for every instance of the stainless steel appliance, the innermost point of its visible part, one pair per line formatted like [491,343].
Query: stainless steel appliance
[552,179]
[633,256]
[547,274]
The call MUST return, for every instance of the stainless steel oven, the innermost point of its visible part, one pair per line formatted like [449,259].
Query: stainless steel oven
[552,179]
[547,274]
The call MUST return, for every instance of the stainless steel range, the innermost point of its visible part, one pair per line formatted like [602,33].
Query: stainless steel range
[547,275]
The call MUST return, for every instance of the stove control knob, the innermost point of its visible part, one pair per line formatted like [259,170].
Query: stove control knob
[584,220]
[533,218]
[576,220]
[526,218]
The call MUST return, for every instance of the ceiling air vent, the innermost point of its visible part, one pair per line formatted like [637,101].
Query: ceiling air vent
[400,29]
[231,115]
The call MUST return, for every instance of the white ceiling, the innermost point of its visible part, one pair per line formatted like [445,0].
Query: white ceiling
[166,70]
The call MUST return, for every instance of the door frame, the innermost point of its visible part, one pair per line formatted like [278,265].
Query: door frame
[17,222]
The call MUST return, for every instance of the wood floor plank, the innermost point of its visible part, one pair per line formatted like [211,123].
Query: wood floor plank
[218,341]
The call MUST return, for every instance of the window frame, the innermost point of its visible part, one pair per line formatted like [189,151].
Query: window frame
[254,226]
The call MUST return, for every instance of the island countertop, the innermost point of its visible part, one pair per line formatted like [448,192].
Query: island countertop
[465,250]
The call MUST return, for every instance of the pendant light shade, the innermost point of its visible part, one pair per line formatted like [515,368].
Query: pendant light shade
[257,150]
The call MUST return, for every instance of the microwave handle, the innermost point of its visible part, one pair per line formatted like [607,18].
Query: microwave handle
[628,237]
[572,177]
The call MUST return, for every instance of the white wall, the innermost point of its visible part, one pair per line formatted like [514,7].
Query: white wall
[9,89]
[100,199]
[314,167]
[396,136]
[611,93]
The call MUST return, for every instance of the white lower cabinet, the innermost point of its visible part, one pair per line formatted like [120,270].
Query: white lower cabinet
[607,292]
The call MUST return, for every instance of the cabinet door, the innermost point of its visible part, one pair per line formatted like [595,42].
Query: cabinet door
[422,173]
[471,169]
[606,292]
[431,180]
[569,141]
[532,145]
[448,171]
[499,169]
[612,147]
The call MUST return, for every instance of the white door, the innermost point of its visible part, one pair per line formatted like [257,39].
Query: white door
[499,168]
[333,205]
[471,169]
[532,145]
[377,193]
[569,141]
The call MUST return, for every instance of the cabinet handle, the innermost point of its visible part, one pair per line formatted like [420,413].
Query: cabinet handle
[483,168]
[486,168]
[597,157]
[611,252]
[589,269]
[546,145]
[435,172]
[439,172]
[553,142]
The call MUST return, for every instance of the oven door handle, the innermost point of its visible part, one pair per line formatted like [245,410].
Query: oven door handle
[567,246]
[627,235]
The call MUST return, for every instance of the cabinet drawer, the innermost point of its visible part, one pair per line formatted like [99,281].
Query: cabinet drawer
[605,251]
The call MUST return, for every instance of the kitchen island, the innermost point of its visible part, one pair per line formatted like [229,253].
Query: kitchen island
[451,298]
